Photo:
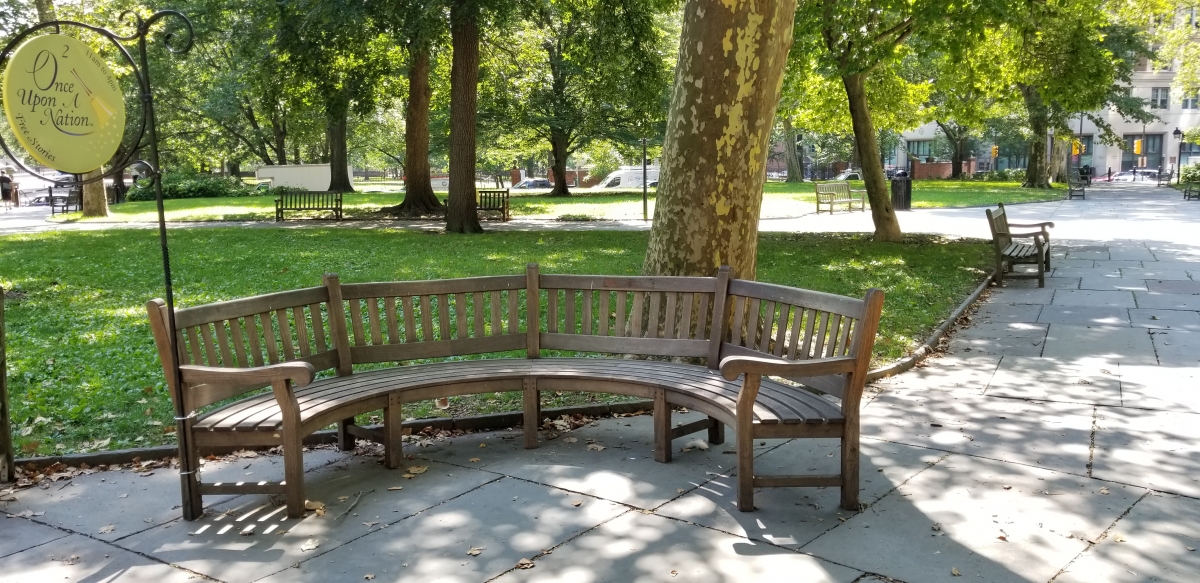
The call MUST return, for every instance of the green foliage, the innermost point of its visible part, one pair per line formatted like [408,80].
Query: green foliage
[178,185]
[82,359]
[1189,173]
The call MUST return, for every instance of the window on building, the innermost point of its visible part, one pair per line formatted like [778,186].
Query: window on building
[1188,153]
[1142,65]
[1191,102]
[920,148]
[1160,98]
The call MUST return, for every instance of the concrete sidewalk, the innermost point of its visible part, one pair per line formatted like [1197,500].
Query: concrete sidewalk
[1058,439]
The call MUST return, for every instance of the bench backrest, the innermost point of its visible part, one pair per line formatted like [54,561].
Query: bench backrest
[412,320]
[998,223]
[656,316]
[796,324]
[310,200]
[838,189]
[492,199]
[256,331]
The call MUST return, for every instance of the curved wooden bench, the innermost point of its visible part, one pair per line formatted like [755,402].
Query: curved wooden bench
[743,329]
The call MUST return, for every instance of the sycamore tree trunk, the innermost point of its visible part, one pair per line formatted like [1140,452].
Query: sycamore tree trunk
[418,188]
[887,227]
[727,85]
[558,161]
[795,171]
[95,203]
[1036,174]
[461,215]
[958,142]
[335,139]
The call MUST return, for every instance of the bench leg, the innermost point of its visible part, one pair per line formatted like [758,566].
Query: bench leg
[533,413]
[745,464]
[662,427]
[193,502]
[850,460]
[345,440]
[393,433]
[293,472]
[716,432]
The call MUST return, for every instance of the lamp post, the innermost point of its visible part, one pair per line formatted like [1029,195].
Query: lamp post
[1179,157]
[645,188]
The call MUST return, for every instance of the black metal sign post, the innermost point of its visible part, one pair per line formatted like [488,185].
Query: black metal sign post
[177,41]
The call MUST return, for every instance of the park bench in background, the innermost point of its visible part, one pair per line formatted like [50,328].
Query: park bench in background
[1010,253]
[831,193]
[308,201]
[63,204]
[494,200]
[742,329]
[1191,190]
[1075,185]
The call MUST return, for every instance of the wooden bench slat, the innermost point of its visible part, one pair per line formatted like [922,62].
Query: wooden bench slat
[603,321]
[393,323]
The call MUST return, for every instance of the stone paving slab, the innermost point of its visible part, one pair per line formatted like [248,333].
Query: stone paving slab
[1161,387]
[1025,532]
[1169,286]
[1116,264]
[1161,301]
[1153,449]
[1000,312]
[1177,348]
[638,547]
[1084,316]
[1169,319]
[1099,346]
[1014,294]
[18,534]
[1017,339]
[1150,273]
[1094,299]
[793,517]
[508,519]
[1057,381]
[1043,434]
[79,558]
[949,373]
[1112,284]
[1079,272]
[1157,542]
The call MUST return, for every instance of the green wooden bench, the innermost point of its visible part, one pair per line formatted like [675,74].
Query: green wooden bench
[831,193]
[1075,185]
[1191,190]
[741,329]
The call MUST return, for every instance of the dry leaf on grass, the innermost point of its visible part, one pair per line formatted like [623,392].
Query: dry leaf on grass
[525,564]
[474,552]
[107,529]
[595,447]
[417,469]
[309,545]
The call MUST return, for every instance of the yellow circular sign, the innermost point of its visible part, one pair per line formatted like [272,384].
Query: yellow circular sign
[63,103]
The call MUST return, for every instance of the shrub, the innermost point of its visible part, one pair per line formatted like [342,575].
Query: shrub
[1006,175]
[1190,173]
[187,185]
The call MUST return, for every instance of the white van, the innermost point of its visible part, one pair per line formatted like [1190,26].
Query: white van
[630,177]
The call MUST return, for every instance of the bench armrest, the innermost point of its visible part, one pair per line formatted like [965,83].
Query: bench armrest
[1035,234]
[300,373]
[732,366]
[1032,225]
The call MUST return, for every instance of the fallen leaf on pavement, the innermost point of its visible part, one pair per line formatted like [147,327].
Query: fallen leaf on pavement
[473,460]
[595,447]
[525,564]
[395,487]
[1104,491]
[417,469]
[483,445]
[1118,537]
[474,552]
[954,571]
[407,476]
[369,576]
[570,439]
[577,503]
[107,529]
[309,545]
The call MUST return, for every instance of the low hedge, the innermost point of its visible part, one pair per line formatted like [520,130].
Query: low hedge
[184,185]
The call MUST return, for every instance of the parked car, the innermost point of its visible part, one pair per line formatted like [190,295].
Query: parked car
[533,183]
[629,177]
[849,175]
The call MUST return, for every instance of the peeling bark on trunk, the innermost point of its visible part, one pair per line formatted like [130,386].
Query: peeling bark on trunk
[558,162]
[727,86]
[461,214]
[887,227]
[1039,124]
[418,188]
[795,172]
[95,203]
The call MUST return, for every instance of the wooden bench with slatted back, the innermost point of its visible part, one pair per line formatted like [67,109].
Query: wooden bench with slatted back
[831,193]
[342,325]
[308,201]
[494,200]
[1009,252]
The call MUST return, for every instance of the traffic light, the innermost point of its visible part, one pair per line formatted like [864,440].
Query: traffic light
[1137,147]
[1074,147]
[995,151]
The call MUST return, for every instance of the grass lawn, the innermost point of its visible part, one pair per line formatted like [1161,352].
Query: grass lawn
[780,199]
[83,368]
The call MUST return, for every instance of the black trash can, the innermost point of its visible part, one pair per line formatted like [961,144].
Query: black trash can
[901,191]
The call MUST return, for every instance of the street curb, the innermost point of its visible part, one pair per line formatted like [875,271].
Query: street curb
[926,348]
[494,420]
